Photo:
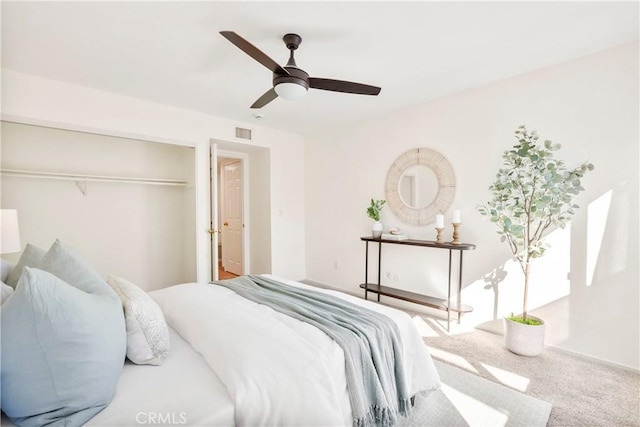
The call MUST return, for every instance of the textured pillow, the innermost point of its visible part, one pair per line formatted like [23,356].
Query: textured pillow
[31,257]
[147,332]
[6,292]
[62,349]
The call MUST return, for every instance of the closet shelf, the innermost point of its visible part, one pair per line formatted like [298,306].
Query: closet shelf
[91,178]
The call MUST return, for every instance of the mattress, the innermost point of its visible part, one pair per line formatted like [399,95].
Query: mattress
[182,391]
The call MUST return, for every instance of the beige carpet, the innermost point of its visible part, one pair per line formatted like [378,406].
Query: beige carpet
[582,392]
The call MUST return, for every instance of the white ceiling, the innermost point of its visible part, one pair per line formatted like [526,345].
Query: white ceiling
[171,52]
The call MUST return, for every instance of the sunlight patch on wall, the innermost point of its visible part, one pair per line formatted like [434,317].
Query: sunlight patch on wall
[597,214]
[549,280]
[500,291]
[491,297]
[507,378]
[471,409]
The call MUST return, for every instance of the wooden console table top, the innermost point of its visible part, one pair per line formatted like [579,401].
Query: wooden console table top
[426,243]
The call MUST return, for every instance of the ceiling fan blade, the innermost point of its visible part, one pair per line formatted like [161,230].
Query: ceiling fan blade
[266,98]
[253,52]
[343,86]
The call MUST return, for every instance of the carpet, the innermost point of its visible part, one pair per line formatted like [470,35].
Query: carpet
[468,400]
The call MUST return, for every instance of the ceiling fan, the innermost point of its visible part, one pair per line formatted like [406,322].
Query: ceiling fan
[291,82]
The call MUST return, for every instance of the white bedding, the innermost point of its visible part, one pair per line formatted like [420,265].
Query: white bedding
[182,391]
[278,370]
[234,362]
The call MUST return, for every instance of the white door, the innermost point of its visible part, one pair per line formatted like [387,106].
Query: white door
[232,226]
[213,209]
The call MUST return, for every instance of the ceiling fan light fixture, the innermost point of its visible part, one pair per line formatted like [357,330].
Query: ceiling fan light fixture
[290,91]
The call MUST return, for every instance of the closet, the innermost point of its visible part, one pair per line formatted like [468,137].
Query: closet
[126,206]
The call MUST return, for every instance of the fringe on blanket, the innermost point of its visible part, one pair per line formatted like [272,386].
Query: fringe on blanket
[384,417]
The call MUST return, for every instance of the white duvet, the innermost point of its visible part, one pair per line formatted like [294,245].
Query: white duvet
[278,370]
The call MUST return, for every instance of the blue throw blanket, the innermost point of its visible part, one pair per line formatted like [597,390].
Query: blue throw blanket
[371,343]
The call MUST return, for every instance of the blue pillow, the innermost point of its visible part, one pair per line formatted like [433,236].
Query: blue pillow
[63,349]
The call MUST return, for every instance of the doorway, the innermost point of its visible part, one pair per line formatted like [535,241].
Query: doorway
[254,195]
[229,213]
[230,216]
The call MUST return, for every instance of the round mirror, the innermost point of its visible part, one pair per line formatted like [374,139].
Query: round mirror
[420,184]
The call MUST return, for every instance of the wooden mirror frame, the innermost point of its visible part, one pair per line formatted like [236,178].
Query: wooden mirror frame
[446,186]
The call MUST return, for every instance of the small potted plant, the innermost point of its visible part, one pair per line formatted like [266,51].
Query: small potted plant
[373,211]
[532,194]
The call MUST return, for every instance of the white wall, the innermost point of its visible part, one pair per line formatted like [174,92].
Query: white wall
[260,212]
[32,99]
[139,232]
[590,106]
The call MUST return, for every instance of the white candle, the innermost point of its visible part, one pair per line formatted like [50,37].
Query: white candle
[439,221]
[456,217]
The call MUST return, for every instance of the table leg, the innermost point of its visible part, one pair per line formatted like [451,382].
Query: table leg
[366,270]
[460,288]
[449,294]
[379,267]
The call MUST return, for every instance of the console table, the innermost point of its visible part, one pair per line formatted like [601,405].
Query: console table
[438,303]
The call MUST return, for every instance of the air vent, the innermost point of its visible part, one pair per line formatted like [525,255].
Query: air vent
[243,133]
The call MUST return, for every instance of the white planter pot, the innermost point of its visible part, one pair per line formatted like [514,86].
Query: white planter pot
[376,229]
[526,340]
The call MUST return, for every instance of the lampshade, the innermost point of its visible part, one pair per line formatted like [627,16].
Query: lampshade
[9,231]
[290,91]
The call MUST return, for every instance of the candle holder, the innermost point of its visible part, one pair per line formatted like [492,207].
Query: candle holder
[439,235]
[455,240]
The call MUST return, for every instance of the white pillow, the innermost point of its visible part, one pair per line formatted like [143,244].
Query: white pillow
[6,292]
[147,332]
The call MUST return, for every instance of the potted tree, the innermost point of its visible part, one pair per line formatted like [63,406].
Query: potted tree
[373,212]
[532,194]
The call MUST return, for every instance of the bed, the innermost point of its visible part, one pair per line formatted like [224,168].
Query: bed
[233,361]
[183,390]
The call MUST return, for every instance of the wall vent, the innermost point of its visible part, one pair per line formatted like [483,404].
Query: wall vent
[243,133]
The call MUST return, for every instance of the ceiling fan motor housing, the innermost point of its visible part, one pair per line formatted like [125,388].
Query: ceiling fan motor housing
[296,76]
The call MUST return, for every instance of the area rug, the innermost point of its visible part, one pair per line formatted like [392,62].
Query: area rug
[468,400]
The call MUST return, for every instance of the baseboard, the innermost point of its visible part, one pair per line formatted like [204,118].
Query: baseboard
[566,351]
[594,359]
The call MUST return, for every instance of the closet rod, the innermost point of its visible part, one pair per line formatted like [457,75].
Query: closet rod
[93,178]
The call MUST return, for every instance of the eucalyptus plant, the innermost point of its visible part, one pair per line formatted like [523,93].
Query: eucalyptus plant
[373,211]
[532,194]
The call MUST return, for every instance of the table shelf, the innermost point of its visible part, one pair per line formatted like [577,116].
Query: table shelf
[426,300]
